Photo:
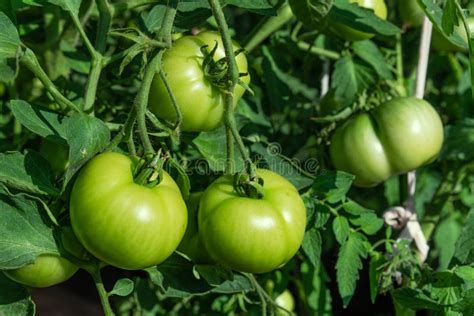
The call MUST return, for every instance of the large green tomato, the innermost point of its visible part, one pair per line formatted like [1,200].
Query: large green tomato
[56,154]
[411,12]
[350,34]
[200,102]
[192,244]
[123,223]
[398,136]
[252,235]
[47,270]
[441,43]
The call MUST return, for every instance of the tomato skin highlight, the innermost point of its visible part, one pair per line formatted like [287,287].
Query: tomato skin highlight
[122,223]
[47,270]
[200,102]
[398,136]
[252,235]
[349,34]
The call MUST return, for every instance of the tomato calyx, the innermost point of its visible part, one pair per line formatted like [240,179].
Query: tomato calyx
[216,71]
[149,174]
[245,186]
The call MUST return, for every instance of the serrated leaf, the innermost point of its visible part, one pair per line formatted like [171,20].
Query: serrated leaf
[237,284]
[369,223]
[312,246]
[361,19]
[350,78]
[341,229]
[9,38]
[15,298]
[349,262]
[415,299]
[311,12]
[39,120]
[214,275]
[376,261]
[370,53]
[466,305]
[332,185]
[25,232]
[29,172]
[86,136]
[355,208]
[122,287]
[447,288]
[464,252]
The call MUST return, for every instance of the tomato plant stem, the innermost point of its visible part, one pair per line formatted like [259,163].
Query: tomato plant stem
[179,115]
[102,292]
[399,63]
[267,26]
[82,33]
[318,51]
[232,80]
[31,62]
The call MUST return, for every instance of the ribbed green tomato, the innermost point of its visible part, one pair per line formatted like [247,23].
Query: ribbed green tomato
[200,102]
[191,244]
[441,43]
[123,223]
[411,12]
[47,270]
[350,34]
[398,136]
[252,235]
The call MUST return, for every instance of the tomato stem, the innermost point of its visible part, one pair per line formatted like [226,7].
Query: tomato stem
[232,81]
[96,276]
[267,26]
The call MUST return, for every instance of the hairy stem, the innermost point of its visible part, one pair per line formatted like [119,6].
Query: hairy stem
[232,80]
[104,300]
[83,34]
[179,115]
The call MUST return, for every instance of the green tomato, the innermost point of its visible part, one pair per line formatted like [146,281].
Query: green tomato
[285,300]
[201,103]
[440,43]
[398,136]
[252,235]
[56,154]
[47,270]
[410,12]
[192,244]
[350,34]
[123,223]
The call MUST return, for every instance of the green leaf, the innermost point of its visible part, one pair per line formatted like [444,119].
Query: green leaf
[86,136]
[415,299]
[376,261]
[213,147]
[214,275]
[311,12]
[350,78]
[272,158]
[370,53]
[244,109]
[466,305]
[72,6]
[122,287]
[459,142]
[237,284]
[312,246]
[332,185]
[25,232]
[447,288]
[368,222]
[445,237]
[9,38]
[360,18]
[355,208]
[349,262]
[435,14]
[465,272]
[14,299]
[464,252]
[341,229]
[41,121]
[29,172]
